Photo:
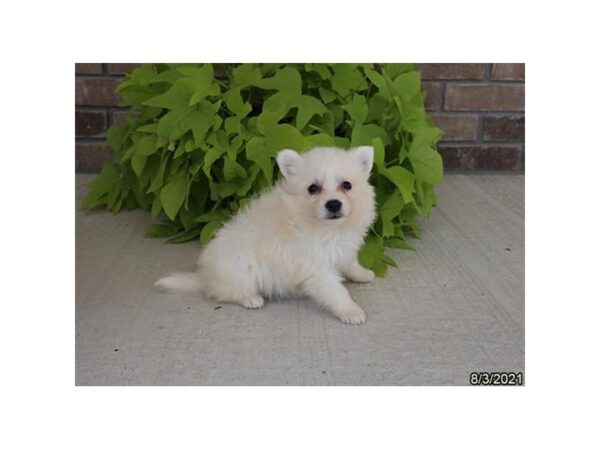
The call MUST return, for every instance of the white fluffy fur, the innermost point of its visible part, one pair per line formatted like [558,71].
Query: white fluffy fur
[283,243]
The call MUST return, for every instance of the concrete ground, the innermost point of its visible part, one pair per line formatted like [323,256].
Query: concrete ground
[454,306]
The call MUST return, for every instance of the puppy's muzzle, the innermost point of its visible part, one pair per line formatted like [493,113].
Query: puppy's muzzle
[333,206]
[335,209]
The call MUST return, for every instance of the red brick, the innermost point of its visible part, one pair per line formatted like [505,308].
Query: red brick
[96,92]
[484,97]
[457,127]
[121,69]
[90,156]
[475,157]
[90,123]
[503,128]
[433,97]
[451,71]
[88,68]
[508,72]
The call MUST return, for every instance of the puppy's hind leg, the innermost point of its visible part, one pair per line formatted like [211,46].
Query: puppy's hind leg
[253,301]
[234,287]
[327,290]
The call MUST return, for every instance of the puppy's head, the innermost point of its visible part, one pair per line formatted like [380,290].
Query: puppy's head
[329,184]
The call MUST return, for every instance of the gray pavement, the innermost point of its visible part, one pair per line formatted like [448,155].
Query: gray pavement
[454,306]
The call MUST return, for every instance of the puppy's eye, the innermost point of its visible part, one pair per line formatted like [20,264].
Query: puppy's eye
[314,189]
[346,185]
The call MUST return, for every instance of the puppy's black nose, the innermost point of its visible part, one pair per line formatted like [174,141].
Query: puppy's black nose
[333,205]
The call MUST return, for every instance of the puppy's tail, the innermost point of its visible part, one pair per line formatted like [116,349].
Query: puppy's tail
[181,283]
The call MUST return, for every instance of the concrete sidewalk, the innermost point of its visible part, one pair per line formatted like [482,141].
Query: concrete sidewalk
[454,306]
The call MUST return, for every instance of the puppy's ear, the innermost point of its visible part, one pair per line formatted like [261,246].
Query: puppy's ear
[364,155]
[288,161]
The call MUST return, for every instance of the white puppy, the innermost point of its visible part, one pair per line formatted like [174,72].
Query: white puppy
[300,238]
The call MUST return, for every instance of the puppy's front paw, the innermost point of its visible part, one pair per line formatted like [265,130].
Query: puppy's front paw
[352,315]
[255,302]
[361,275]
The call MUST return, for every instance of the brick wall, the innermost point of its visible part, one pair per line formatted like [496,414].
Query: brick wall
[96,109]
[480,108]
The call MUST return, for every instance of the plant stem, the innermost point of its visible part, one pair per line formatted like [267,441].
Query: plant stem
[221,83]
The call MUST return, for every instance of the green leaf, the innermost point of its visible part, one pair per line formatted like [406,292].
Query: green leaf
[233,169]
[320,140]
[378,154]
[307,108]
[413,229]
[233,125]
[171,125]
[398,243]
[375,77]
[342,142]
[176,123]
[209,217]
[364,134]
[157,182]
[426,136]
[180,150]
[146,146]
[209,230]
[227,188]
[186,236]
[116,136]
[150,128]
[246,75]
[201,82]
[212,155]
[176,98]
[256,150]
[327,96]
[346,79]
[100,186]
[379,268]
[427,164]
[173,194]
[114,198]
[322,70]
[157,230]
[142,76]
[378,107]
[236,104]
[357,109]
[108,176]
[407,85]
[389,261]
[428,200]
[393,70]
[274,109]
[404,181]
[372,256]
[156,207]
[169,76]
[200,122]
[246,185]
[287,80]
[137,163]
[370,252]
[388,211]
[284,136]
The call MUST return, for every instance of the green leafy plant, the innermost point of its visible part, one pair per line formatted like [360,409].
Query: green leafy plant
[204,138]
